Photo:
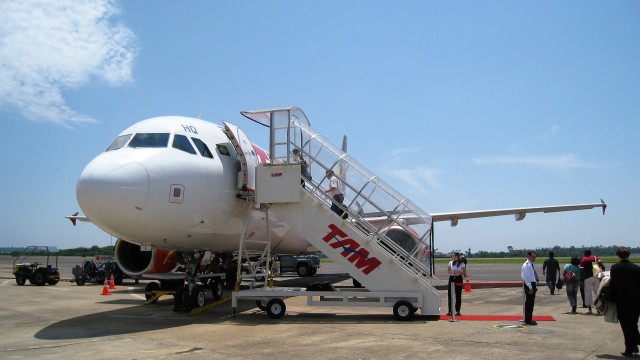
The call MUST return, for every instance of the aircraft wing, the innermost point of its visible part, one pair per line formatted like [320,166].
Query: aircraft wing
[519,213]
[75,218]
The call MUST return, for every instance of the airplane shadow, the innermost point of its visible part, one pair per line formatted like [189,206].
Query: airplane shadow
[148,317]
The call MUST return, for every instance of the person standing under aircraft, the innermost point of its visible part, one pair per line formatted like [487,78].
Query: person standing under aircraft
[551,268]
[457,270]
[624,289]
[335,193]
[591,280]
[529,279]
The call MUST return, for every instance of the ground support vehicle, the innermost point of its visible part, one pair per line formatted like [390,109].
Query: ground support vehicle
[271,300]
[34,271]
[97,269]
[174,284]
[303,265]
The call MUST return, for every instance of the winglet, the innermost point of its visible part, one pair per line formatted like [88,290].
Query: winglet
[73,218]
[604,206]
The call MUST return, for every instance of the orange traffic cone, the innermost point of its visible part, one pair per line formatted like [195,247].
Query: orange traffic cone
[467,286]
[105,288]
[112,283]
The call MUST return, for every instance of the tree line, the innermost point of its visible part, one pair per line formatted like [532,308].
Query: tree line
[80,251]
[558,250]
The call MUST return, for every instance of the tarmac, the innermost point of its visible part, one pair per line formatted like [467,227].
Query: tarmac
[77,322]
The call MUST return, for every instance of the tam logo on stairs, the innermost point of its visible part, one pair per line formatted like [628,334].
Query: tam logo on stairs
[351,250]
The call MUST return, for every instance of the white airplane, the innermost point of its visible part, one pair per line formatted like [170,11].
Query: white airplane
[170,188]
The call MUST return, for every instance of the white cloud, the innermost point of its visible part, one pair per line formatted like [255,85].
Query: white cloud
[418,178]
[47,47]
[560,162]
[553,130]
[403,151]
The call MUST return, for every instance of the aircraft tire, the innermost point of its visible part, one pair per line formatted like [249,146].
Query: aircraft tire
[217,289]
[403,310]
[178,299]
[198,298]
[276,308]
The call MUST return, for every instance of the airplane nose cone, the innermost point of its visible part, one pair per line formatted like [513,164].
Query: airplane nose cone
[113,195]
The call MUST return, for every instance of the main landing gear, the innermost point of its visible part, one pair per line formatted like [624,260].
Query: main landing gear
[190,295]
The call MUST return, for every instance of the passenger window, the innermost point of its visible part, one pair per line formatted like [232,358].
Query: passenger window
[202,147]
[152,140]
[181,142]
[223,149]
[119,142]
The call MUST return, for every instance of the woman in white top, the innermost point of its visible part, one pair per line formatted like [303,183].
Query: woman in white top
[457,270]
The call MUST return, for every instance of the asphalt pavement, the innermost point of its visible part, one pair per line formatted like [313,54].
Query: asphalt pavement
[77,322]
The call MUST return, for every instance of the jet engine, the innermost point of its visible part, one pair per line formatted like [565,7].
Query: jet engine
[401,237]
[135,262]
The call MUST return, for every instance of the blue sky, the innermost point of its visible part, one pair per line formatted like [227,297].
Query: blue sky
[465,105]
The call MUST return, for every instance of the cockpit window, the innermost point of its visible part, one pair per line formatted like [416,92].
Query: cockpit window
[181,142]
[119,142]
[202,147]
[149,140]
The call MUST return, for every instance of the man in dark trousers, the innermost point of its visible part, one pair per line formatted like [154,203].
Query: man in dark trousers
[551,268]
[529,280]
[624,289]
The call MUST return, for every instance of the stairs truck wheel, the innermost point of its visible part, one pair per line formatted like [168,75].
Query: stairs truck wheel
[403,310]
[261,305]
[150,291]
[80,281]
[20,279]
[276,308]
[303,270]
[217,289]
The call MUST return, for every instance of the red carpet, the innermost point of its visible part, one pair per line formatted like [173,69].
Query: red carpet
[497,317]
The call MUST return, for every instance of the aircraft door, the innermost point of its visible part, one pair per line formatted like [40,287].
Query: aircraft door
[246,155]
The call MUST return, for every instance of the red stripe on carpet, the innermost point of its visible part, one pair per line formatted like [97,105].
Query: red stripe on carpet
[497,317]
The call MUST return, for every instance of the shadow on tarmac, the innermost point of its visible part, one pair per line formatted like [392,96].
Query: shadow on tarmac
[148,317]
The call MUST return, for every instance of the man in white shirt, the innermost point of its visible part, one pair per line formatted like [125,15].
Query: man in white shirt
[529,279]
[335,193]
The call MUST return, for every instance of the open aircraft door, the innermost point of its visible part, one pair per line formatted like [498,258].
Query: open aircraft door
[246,155]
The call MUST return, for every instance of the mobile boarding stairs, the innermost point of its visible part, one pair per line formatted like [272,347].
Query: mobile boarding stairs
[380,243]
